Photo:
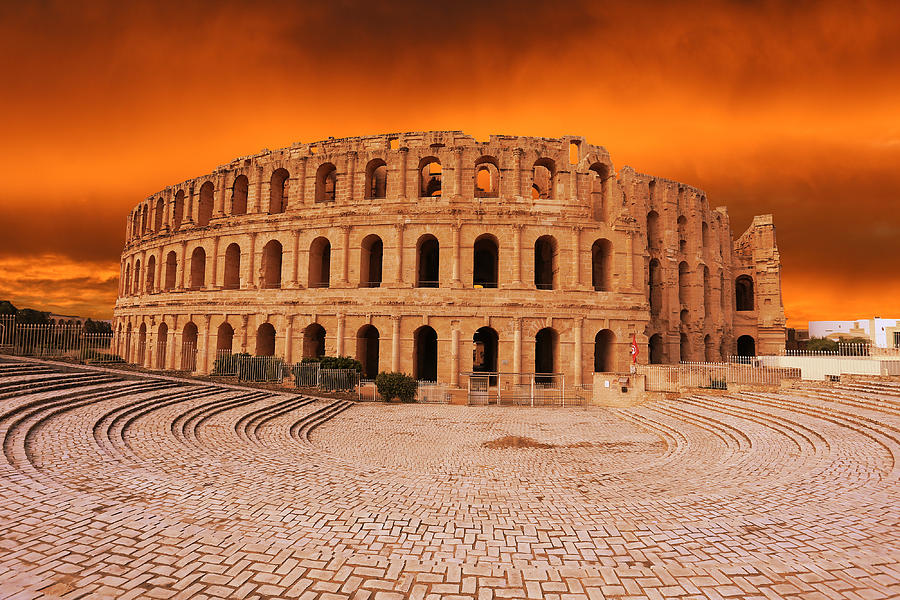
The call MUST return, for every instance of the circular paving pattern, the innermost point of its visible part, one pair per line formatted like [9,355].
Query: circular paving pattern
[161,488]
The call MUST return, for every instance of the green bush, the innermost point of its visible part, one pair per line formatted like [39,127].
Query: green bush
[228,364]
[821,345]
[335,362]
[396,385]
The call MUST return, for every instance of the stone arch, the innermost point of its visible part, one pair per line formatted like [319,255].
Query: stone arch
[599,190]
[704,234]
[171,270]
[162,344]
[265,340]
[158,214]
[546,263]
[428,261]
[135,224]
[682,233]
[225,337]
[232,275]
[198,268]
[486,343]
[684,347]
[546,351]
[205,204]
[239,192]
[126,291]
[320,263]
[543,179]
[136,288]
[326,183]
[425,353]
[746,346]
[371,257]
[487,177]
[604,351]
[143,219]
[127,356]
[271,264]
[313,341]
[367,347]
[683,271]
[178,210]
[189,347]
[655,349]
[151,273]
[654,235]
[743,293]
[485,261]
[142,344]
[655,287]
[430,177]
[709,348]
[601,265]
[278,191]
[376,178]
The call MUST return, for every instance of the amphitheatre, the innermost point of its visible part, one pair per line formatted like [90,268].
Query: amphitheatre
[411,252]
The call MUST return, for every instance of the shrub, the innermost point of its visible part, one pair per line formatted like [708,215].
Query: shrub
[227,364]
[396,385]
[335,362]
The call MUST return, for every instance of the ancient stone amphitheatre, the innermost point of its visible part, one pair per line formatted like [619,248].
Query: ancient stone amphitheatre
[117,485]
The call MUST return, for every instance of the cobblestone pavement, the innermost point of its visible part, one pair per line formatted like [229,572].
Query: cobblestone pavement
[158,488]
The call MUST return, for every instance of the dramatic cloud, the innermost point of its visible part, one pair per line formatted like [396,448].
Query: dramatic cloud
[781,107]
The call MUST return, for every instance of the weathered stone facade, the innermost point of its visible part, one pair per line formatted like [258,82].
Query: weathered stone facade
[404,250]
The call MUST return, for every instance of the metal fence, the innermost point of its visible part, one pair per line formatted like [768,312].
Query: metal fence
[707,375]
[522,389]
[846,349]
[433,392]
[334,380]
[55,341]
[822,367]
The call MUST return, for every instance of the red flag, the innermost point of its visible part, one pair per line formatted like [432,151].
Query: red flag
[634,349]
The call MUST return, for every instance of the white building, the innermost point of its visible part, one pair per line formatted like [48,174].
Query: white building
[884,333]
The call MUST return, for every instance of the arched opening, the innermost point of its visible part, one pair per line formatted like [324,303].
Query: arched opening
[685,348]
[429,177]
[171,270]
[178,210]
[601,265]
[162,344]
[142,344]
[314,341]
[198,268]
[704,234]
[205,205]
[655,349]
[604,357]
[376,179]
[232,277]
[709,348]
[367,342]
[655,287]
[599,190]
[545,352]
[135,225]
[371,256]
[278,191]
[425,353]
[320,263]
[543,178]
[158,214]
[707,293]
[546,265]
[127,289]
[271,264]
[743,293]
[144,219]
[326,183]
[151,274]
[484,351]
[683,282]
[265,340]
[239,195]
[224,337]
[428,262]
[682,233]
[654,237]
[136,290]
[484,261]
[487,178]
[189,347]
[746,346]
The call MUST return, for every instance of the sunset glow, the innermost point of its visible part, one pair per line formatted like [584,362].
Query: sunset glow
[784,108]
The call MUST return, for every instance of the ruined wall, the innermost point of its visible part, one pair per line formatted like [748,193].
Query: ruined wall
[574,244]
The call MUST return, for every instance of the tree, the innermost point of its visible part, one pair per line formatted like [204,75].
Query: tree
[33,317]
[7,308]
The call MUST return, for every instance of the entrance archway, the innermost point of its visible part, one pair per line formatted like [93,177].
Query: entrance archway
[314,341]
[746,346]
[425,350]
[604,359]
[367,342]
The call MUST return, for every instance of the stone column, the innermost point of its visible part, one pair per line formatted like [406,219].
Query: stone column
[339,341]
[399,227]
[258,190]
[251,263]
[183,266]
[245,322]
[172,346]
[220,196]
[351,172]
[288,339]
[517,255]
[454,357]
[629,262]
[404,157]
[517,167]
[142,287]
[157,285]
[301,181]
[458,167]
[295,259]
[576,255]
[579,351]
[517,345]
[454,280]
[345,255]
[203,363]
[189,201]
[395,343]
[215,263]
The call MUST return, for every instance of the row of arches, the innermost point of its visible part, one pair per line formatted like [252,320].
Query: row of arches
[487,175]
[485,265]
[654,232]
[712,352]
[743,289]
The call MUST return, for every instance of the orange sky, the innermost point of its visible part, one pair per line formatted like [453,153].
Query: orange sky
[791,108]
